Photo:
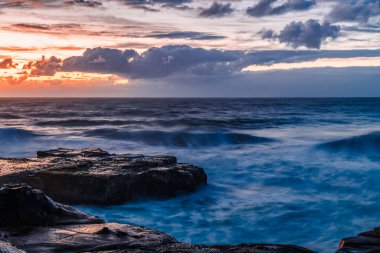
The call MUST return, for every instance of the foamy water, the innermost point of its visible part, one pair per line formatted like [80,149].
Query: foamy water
[295,171]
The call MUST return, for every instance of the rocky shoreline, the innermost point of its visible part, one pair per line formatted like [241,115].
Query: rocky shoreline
[30,221]
[93,176]
[365,242]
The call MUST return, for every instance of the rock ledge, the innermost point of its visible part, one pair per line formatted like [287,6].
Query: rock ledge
[32,222]
[365,242]
[93,176]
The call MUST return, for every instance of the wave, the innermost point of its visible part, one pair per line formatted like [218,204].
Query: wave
[15,135]
[233,123]
[9,116]
[362,144]
[178,139]
[185,123]
[82,123]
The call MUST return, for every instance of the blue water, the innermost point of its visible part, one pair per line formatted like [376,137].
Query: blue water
[297,171]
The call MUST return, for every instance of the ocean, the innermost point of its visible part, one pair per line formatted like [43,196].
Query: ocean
[302,171]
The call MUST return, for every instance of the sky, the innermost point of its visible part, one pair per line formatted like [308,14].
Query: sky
[189,48]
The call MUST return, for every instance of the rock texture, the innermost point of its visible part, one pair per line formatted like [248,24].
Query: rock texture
[23,206]
[93,176]
[366,242]
[65,229]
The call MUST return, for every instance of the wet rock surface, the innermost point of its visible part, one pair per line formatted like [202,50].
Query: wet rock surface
[93,176]
[60,228]
[22,205]
[366,242]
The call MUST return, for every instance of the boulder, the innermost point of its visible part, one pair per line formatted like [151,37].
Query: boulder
[93,176]
[365,242]
[20,205]
[32,222]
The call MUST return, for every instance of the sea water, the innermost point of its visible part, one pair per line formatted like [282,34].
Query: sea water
[294,171]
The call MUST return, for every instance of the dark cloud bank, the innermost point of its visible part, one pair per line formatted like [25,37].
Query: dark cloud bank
[179,61]
[187,61]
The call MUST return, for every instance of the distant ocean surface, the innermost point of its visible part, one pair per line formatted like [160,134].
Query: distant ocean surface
[294,171]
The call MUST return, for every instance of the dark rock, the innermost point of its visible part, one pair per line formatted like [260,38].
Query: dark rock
[93,176]
[22,205]
[85,238]
[89,238]
[63,152]
[106,237]
[64,229]
[366,242]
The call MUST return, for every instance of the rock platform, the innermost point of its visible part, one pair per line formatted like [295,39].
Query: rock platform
[32,222]
[93,176]
[365,242]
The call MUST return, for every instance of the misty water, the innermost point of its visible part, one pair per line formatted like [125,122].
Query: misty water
[294,171]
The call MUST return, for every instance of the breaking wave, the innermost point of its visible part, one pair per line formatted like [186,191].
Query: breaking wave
[178,139]
[362,144]
[15,135]
[81,123]
[187,123]
[9,116]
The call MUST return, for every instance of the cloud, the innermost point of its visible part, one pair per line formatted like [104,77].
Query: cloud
[6,63]
[363,29]
[356,10]
[267,34]
[31,26]
[181,60]
[17,79]
[113,61]
[39,49]
[45,28]
[48,3]
[85,3]
[61,29]
[44,67]
[148,5]
[310,34]
[168,62]
[153,63]
[217,10]
[266,8]
[185,35]
[16,4]
[170,2]
[100,59]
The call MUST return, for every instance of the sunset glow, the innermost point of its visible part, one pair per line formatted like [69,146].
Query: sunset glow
[95,42]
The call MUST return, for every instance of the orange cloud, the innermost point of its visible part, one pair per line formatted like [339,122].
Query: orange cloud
[6,63]
[45,67]
[17,79]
